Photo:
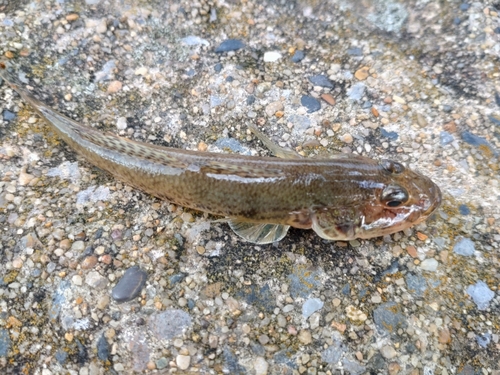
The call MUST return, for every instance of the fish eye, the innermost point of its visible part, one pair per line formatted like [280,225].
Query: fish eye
[392,166]
[394,196]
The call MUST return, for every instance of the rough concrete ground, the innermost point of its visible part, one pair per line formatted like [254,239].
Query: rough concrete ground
[415,81]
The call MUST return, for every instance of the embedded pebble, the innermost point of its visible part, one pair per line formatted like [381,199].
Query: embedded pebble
[445,138]
[130,284]
[298,56]
[464,247]
[8,115]
[102,348]
[355,314]
[463,209]
[347,138]
[161,363]
[362,73]
[260,366]
[169,324]
[328,98]
[388,318]
[483,340]
[96,281]
[311,306]
[388,352]
[121,123]
[389,134]
[272,56]
[89,262]
[183,361]
[430,265]
[312,104]
[321,80]
[274,107]
[333,353]
[475,140]
[481,294]
[193,40]
[4,342]
[416,284]
[229,45]
[114,87]
[77,280]
[356,91]
[444,336]
[305,337]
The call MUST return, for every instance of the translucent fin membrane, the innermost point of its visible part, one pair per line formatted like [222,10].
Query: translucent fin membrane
[259,233]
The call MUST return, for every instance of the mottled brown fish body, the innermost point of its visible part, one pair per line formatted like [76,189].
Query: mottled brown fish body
[258,189]
[344,197]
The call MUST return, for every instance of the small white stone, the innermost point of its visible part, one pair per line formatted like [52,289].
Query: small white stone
[141,71]
[272,56]
[119,367]
[121,123]
[260,366]
[183,361]
[388,352]
[17,263]
[77,280]
[430,265]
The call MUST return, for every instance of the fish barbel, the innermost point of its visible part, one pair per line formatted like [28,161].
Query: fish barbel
[341,198]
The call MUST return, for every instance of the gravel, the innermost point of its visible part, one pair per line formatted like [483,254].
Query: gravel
[99,277]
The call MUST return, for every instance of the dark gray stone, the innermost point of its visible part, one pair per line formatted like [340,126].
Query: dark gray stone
[130,284]
[388,318]
[4,342]
[389,134]
[231,363]
[416,284]
[312,104]
[102,348]
[61,356]
[476,140]
[8,115]
[230,45]
[321,80]
[298,56]
[303,282]
[261,298]
[333,353]
[483,340]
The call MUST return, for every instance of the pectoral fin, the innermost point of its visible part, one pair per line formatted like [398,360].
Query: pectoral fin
[258,233]
[329,229]
[275,149]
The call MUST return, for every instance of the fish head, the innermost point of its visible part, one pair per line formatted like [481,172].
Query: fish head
[407,198]
[399,198]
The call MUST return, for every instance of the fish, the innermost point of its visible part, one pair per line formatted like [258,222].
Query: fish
[341,198]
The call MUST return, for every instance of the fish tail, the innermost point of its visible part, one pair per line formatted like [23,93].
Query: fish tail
[61,123]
